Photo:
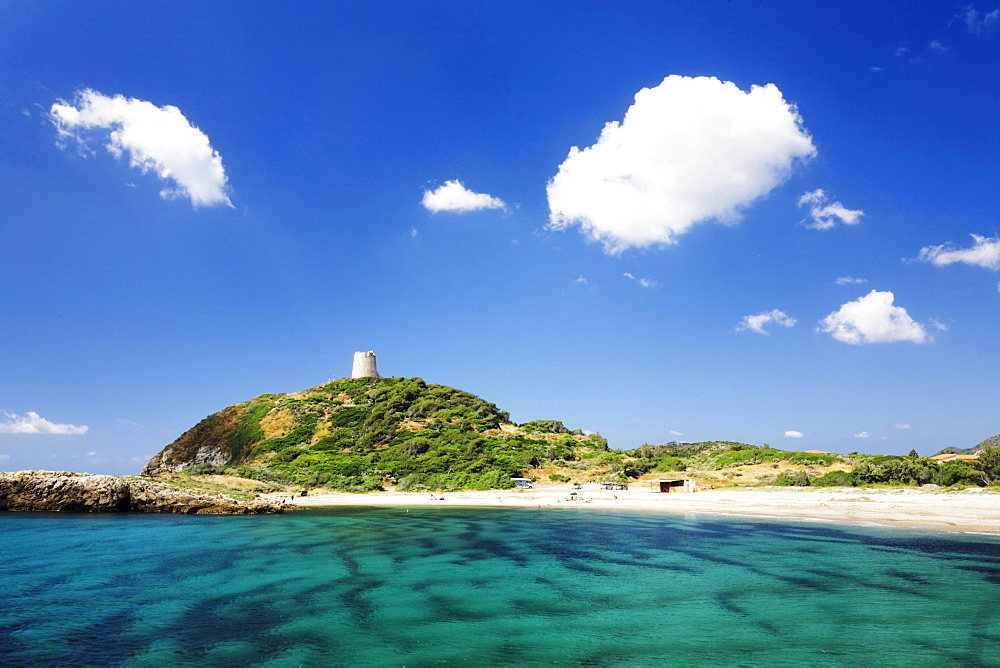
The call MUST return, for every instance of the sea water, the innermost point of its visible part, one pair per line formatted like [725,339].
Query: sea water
[474,586]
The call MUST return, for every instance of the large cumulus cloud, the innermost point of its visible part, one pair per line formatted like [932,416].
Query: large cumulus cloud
[687,151]
[873,319]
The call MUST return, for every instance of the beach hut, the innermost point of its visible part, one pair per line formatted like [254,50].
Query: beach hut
[666,485]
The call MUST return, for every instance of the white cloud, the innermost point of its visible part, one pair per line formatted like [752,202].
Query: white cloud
[453,196]
[4,458]
[155,138]
[901,50]
[901,425]
[936,45]
[689,150]
[644,282]
[92,454]
[977,23]
[985,252]
[849,280]
[32,423]
[791,433]
[676,433]
[938,325]
[581,279]
[873,319]
[862,434]
[756,323]
[825,215]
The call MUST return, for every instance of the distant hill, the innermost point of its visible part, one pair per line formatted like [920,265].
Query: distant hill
[992,441]
[356,434]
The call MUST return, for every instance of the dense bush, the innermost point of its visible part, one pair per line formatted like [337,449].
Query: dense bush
[833,479]
[956,473]
[892,470]
[545,426]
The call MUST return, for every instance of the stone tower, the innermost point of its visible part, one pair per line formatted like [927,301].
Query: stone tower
[364,365]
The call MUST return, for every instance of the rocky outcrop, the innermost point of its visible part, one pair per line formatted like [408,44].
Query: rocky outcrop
[55,491]
[174,460]
[208,442]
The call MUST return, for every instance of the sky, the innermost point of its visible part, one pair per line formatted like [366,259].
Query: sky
[768,222]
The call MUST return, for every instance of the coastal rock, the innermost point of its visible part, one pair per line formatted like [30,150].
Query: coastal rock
[205,443]
[62,491]
[171,460]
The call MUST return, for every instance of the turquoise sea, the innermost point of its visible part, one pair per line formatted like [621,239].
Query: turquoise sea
[468,586]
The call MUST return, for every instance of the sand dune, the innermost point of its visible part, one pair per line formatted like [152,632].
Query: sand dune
[954,511]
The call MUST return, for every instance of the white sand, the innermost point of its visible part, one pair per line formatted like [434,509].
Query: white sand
[973,511]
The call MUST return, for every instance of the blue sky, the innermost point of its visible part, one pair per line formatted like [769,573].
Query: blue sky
[772,222]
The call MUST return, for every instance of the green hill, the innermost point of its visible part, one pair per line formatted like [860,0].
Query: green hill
[372,433]
[991,442]
[359,434]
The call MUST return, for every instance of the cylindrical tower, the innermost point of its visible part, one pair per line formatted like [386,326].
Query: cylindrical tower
[364,365]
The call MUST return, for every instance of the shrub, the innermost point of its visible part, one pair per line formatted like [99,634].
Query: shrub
[955,473]
[799,479]
[545,426]
[834,479]
[206,469]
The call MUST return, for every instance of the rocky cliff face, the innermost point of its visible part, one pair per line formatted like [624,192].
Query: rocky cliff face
[174,459]
[80,492]
[205,443]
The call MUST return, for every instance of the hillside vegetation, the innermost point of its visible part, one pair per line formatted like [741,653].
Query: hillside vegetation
[376,433]
[728,463]
[363,434]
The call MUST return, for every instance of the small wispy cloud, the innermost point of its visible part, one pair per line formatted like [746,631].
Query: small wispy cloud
[937,46]
[581,280]
[676,433]
[757,323]
[860,434]
[938,325]
[791,433]
[978,23]
[644,282]
[901,425]
[985,252]
[456,198]
[849,280]
[824,214]
[32,423]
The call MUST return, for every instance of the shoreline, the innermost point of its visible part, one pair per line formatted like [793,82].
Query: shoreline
[964,512]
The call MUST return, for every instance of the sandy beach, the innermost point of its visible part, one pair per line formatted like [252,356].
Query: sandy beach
[968,511]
